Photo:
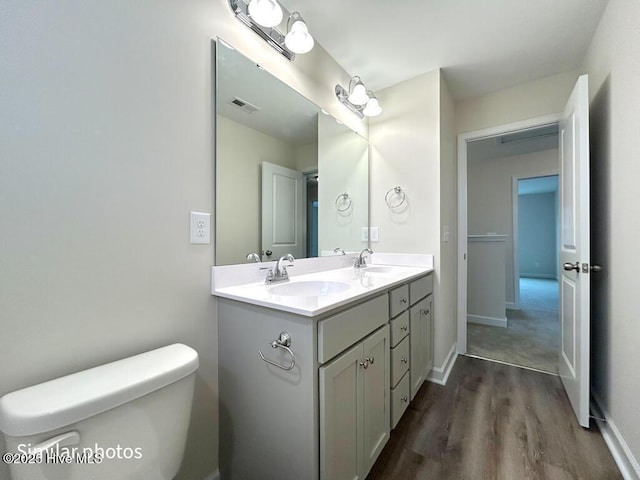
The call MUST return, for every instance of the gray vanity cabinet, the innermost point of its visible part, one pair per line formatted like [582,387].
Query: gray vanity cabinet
[328,416]
[354,408]
[421,328]
[410,311]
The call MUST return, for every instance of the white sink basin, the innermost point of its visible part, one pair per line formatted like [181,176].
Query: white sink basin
[310,288]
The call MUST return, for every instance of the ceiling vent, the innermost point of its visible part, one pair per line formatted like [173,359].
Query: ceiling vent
[245,106]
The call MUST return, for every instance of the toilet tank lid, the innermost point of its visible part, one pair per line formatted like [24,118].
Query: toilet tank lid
[66,400]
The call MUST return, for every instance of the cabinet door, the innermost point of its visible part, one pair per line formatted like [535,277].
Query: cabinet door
[341,416]
[376,396]
[428,337]
[418,319]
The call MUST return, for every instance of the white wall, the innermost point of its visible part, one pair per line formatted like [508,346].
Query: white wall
[307,157]
[529,100]
[240,151]
[106,140]
[489,196]
[406,151]
[445,336]
[537,235]
[613,64]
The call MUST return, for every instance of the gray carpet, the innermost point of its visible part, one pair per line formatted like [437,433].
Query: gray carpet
[532,337]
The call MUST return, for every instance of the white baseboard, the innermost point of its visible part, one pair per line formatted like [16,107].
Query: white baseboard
[440,375]
[511,306]
[213,476]
[491,321]
[627,464]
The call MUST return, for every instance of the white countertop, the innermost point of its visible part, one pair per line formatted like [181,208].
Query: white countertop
[360,284]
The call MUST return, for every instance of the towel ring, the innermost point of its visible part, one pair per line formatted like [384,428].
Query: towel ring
[284,342]
[346,202]
[399,192]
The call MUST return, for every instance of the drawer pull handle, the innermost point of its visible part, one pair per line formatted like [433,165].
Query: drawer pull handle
[404,328]
[364,364]
[404,360]
[404,398]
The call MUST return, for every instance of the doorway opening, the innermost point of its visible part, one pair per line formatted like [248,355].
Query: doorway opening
[511,245]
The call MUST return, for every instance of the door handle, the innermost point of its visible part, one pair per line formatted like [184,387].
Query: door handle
[571,266]
[595,268]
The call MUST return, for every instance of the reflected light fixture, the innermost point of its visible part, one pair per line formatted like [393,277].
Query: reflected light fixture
[298,38]
[263,16]
[265,12]
[358,99]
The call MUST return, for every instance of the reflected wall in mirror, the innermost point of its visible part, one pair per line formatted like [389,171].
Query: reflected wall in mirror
[280,165]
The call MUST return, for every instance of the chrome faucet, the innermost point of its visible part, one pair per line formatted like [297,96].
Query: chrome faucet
[254,256]
[339,250]
[279,272]
[360,260]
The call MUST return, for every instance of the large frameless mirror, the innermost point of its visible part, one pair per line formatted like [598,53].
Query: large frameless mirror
[289,178]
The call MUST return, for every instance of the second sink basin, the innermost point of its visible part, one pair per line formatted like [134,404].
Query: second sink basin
[310,288]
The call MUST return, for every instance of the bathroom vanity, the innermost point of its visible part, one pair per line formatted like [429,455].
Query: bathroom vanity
[315,372]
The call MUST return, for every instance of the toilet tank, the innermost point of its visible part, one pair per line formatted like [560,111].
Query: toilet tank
[124,420]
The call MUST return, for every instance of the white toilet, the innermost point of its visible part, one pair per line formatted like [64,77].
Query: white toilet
[124,420]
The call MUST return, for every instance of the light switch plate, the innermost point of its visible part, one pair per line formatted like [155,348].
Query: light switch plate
[200,228]
[365,234]
[373,234]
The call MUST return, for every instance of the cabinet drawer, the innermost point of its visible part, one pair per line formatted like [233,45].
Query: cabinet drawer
[420,288]
[399,361]
[339,332]
[398,300]
[399,328]
[399,400]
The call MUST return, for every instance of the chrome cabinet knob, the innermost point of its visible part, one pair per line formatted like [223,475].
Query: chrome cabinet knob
[404,398]
[404,328]
[370,360]
[404,360]
[364,364]
[403,300]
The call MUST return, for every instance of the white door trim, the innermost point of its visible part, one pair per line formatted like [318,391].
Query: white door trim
[463,139]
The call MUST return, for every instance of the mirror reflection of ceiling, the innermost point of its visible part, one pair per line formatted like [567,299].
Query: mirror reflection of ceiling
[518,143]
[287,117]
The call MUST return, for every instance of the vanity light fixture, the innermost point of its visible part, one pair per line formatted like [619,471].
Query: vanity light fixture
[357,91]
[372,108]
[358,99]
[265,12]
[298,38]
[263,16]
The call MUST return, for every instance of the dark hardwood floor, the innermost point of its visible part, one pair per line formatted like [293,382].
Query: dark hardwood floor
[493,421]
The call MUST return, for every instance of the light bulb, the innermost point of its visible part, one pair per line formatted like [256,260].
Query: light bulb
[373,108]
[298,40]
[358,95]
[265,12]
